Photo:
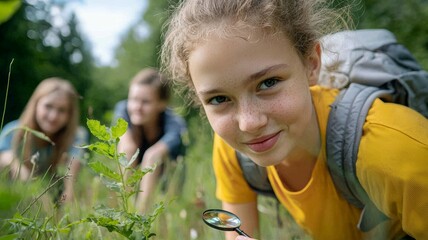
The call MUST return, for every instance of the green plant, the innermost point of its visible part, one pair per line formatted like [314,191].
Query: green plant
[37,224]
[123,180]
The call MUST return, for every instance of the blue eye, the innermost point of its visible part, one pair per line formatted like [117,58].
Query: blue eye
[218,100]
[268,83]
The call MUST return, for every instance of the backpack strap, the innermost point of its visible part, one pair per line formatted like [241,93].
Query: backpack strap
[255,175]
[344,130]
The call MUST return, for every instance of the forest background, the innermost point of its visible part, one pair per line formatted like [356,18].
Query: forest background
[39,48]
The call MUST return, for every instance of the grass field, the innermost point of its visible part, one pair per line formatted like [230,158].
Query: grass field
[188,189]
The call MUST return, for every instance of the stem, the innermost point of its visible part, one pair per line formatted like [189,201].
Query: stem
[33,168]
[122,177]
[21,159]
[47,189]
[7,93]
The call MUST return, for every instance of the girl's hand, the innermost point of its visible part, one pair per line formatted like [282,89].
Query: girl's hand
[244,238]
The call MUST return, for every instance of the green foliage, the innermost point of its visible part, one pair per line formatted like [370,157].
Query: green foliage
[34,221]
[44,227]
[129,225]
[41,49]
[37,224]
[123,180]
[8,8]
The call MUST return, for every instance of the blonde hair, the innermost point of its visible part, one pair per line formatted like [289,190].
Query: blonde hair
[64,137]
[302,21]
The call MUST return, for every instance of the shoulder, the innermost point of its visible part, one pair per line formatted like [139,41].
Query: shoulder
[7,134]
[121,104]
[6,130]
[394,143]
[399,120]
[392,157]
[11,124]
[81,136]
[172,118]
[169,113]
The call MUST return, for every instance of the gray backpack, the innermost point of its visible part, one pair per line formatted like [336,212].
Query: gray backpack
[365,64]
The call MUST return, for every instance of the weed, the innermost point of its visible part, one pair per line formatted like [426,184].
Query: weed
[123,180]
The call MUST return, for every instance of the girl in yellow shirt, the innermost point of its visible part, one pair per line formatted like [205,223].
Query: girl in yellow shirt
[254,66]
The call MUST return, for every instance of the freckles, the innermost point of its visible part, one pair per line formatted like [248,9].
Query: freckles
[223,126]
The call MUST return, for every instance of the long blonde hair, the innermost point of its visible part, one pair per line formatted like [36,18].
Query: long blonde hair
[64,137]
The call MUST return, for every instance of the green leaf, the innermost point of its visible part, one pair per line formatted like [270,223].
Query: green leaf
[130,193]
[135,178]
[9,237]
[114,186]
[102,169]
[32,131]
[8,8]
[98,130]
[123,160]
[119,129]
[103,148]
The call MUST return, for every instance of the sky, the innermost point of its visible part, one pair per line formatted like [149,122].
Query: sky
[103,22]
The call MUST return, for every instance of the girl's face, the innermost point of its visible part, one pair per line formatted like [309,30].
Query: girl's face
[52,112]
[256,94]
[144,105]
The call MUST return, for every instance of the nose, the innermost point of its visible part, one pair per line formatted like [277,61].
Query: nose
[251,117]
[53,114]
[136,106]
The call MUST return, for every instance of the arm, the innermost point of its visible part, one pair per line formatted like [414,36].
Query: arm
[155,155]
[7,160]
[7,156]
[249,216]
[174,128]
[127,145]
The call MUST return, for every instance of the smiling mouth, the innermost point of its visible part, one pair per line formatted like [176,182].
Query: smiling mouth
[263,144]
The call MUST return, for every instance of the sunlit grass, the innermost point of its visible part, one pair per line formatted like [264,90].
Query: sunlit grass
[188,186]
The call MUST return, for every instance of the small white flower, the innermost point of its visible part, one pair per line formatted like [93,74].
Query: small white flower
[35,158]
[193,233]
[183,214]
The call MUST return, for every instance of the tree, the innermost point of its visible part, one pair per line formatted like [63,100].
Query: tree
[406,19]
[138,49]
[44,42]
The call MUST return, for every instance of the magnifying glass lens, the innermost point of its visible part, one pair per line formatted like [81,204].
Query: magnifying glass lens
[222,220]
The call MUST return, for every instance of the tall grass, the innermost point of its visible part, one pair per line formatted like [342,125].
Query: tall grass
[188,185]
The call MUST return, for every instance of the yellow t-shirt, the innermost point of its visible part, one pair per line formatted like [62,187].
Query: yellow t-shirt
[392,134]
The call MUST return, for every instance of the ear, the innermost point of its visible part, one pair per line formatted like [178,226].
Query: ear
[314,64]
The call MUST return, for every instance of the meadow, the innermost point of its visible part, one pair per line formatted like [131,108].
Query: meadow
[28,209]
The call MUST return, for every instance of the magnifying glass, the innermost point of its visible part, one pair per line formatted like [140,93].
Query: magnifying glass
[223,220]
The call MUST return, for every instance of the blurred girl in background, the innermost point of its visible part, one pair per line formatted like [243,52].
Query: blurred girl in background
[153,128]
[53,111]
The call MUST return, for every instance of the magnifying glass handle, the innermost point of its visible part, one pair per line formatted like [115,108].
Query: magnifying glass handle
[242,233]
